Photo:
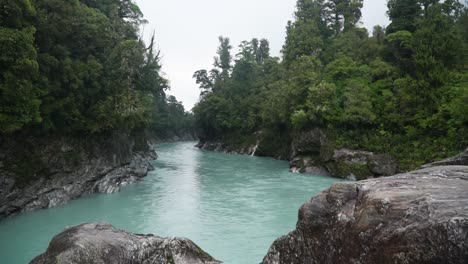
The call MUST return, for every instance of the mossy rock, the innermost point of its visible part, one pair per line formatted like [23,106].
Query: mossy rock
[342,169]
[26,167]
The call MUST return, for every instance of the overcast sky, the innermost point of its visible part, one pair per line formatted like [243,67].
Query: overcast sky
[187,32]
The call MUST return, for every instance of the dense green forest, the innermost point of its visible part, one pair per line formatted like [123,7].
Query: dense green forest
[401,90]
[80,66]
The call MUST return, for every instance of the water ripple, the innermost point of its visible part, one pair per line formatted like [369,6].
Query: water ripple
[232,206]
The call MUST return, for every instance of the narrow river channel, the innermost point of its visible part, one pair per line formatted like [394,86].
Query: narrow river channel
[232,206]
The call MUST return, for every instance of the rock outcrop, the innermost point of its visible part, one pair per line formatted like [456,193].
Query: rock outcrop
[460,159]
[38,173]
[312,152]
[101,243]
[308,151]
[246,149]
[173,137]
[415,217]
[256,144]
[359,165]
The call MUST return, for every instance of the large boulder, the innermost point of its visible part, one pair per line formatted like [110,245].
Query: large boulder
[415,217]
[101,243]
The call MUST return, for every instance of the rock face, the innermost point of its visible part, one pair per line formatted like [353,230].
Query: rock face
[308,149]
[247,149]
[460,159]
[103,244]
[173,137]
[38,173]
[312,152]
[359,165]
[415,217]
[256,144]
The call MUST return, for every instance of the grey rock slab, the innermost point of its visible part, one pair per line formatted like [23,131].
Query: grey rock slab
[101,243]
[414,217]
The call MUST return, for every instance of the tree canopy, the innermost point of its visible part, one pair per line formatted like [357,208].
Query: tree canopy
[401,90]
[79,66]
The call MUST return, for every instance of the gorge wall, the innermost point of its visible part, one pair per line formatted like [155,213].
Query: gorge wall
[313,152]
[44,172]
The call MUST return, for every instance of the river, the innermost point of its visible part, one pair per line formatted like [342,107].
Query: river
[232,206]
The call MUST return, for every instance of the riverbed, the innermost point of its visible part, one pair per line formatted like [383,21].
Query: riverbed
[232,206]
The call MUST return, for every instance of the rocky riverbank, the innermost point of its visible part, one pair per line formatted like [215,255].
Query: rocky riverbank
[102,243]
[226,148]
[415,217]
[314,153]
[37,173]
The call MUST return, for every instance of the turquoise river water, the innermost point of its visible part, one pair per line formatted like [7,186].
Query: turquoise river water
[232,206]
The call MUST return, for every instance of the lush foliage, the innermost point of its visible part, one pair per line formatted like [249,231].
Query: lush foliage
[403,90]
[80,66]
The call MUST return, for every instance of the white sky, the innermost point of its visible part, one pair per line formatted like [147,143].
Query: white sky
[187,32]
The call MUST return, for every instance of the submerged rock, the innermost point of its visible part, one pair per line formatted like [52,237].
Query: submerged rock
[100,243]
[415,217]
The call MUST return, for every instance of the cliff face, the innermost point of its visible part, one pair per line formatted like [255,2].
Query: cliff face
[38,173]
[102,243]
[415,217]
[312,152]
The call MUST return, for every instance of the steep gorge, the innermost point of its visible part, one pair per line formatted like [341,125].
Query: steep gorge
[44,172]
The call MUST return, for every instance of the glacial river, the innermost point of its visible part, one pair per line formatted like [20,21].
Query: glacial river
[232,206]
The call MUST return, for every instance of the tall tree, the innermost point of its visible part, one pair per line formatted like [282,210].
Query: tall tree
[403,15]
[19,96]
[224,58]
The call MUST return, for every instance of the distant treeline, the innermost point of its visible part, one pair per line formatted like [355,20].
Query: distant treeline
[80,66]
[401,90]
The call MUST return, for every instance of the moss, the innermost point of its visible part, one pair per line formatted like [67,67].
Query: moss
[26,167]
[201,252]
[342,169]
[300,164]
[236,142]
[310,159]
[73,158]
[170,259]
[410,150]
[326,151]
[274,144]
